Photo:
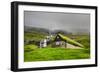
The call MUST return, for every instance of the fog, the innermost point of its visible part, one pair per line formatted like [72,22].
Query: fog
[70,22]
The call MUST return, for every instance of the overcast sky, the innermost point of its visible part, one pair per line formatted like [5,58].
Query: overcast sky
[71,22]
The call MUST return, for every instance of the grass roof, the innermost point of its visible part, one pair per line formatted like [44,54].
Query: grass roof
[71,41]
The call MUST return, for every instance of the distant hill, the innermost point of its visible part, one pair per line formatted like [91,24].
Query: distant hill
[43,30]
[35,29]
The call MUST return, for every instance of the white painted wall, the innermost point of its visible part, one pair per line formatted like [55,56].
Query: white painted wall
[5,35]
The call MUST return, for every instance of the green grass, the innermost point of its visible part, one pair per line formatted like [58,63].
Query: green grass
[33,53]
[47,54]
[28,48]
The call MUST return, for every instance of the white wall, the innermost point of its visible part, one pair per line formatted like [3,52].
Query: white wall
[5,35]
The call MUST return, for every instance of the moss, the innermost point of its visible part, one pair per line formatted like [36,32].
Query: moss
[65,38]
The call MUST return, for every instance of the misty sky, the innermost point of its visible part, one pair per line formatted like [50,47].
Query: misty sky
[71,22]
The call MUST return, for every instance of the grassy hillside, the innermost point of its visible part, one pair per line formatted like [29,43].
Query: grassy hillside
[34,35]
[32,52]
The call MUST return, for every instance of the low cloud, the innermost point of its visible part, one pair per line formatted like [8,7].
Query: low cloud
[72,22]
